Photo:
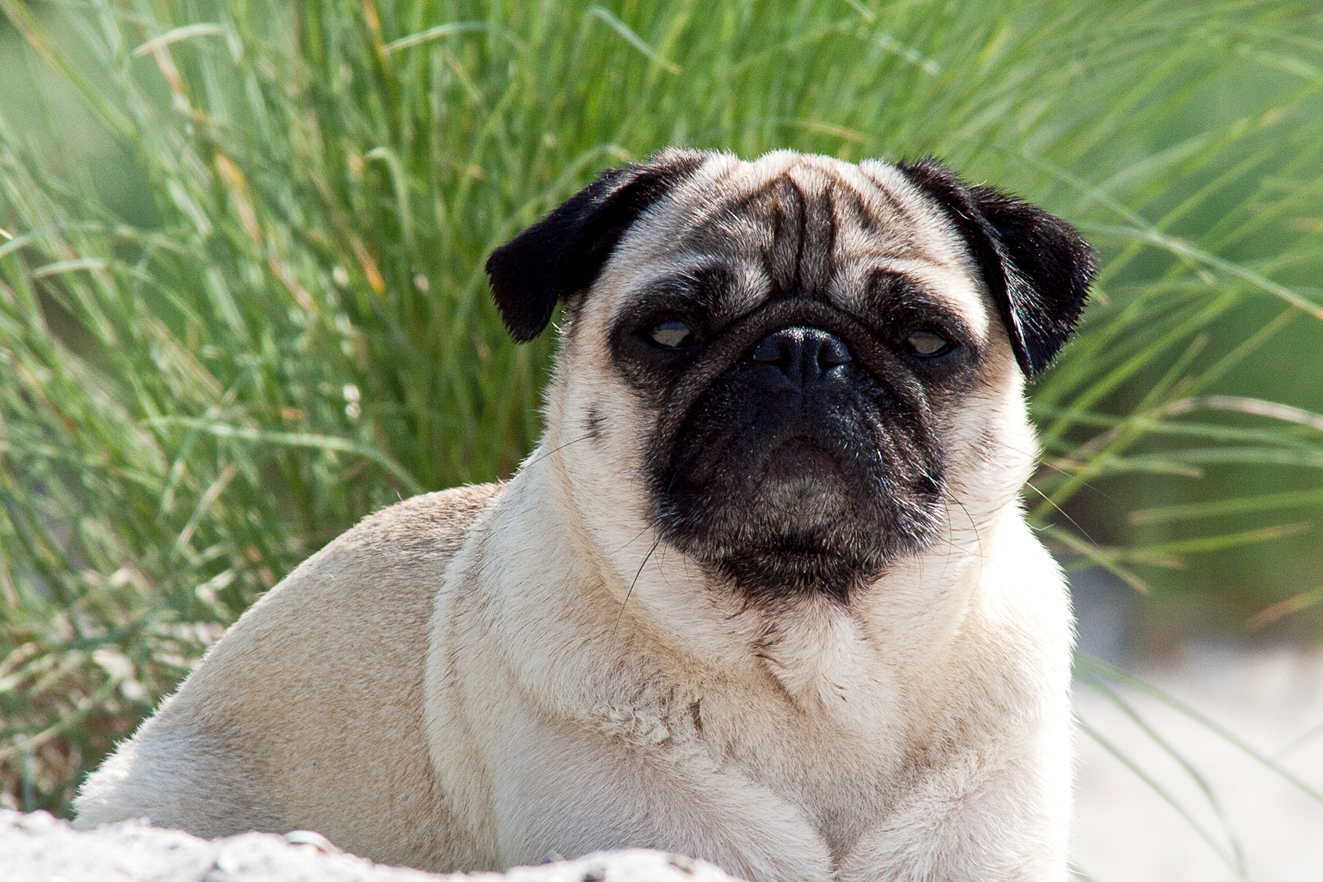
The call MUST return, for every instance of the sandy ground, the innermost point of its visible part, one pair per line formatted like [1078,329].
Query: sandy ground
[38,848]
[1268,830]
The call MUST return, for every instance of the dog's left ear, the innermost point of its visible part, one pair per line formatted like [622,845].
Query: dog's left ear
[564,252]
[1036,266]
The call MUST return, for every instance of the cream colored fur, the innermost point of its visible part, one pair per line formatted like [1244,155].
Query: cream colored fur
[478,678]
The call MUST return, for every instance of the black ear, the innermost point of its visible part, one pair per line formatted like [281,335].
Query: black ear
[1036,266]
[564,252]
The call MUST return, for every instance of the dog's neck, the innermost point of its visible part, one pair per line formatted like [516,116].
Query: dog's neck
[644,603]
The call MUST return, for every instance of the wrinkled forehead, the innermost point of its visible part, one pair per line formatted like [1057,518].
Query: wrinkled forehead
[810,226]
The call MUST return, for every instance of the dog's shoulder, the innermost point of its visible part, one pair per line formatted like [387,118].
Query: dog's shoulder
[404,542]
[429,524]
[391,561]
[385,569]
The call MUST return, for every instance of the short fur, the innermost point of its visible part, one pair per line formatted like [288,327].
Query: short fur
[763,594]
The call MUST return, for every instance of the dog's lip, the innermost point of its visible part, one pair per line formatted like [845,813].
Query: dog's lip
[776,550]
[801,457]
[795,547]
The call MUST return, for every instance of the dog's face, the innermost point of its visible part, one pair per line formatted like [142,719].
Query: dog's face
[797,371]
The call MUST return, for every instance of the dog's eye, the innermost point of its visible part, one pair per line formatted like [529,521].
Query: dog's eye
[928,344]
[672,334]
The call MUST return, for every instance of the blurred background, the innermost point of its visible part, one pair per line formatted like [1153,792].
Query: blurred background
[242,305]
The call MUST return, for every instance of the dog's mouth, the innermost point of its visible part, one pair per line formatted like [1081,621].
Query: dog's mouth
[806,483]
[799,468]
[800,460]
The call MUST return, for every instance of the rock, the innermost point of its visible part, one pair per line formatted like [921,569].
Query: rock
[40,848]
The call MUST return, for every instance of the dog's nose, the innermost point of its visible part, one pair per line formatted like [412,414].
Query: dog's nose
[802,354]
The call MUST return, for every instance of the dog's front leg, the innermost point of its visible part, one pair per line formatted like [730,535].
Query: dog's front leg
[992,815]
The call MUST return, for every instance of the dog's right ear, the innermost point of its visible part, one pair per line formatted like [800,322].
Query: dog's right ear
[565,251]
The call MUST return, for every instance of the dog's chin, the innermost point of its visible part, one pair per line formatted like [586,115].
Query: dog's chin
[806,525]
[786,570]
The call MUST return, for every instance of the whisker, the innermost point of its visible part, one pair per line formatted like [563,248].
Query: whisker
[557,449]
[645,529]
[1042,463]
[630,592]
[1061,511]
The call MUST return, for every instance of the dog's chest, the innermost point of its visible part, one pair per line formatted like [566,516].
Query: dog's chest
[840,767]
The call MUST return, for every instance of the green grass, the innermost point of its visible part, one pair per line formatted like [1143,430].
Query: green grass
[289,326]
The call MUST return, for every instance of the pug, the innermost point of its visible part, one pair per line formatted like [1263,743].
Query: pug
[764,593]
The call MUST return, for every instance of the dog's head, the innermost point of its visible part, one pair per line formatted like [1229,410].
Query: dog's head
[796,371]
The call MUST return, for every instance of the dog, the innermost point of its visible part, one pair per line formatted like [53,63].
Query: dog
[763,594]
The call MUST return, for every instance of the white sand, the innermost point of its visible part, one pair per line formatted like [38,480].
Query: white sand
[1273,699]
